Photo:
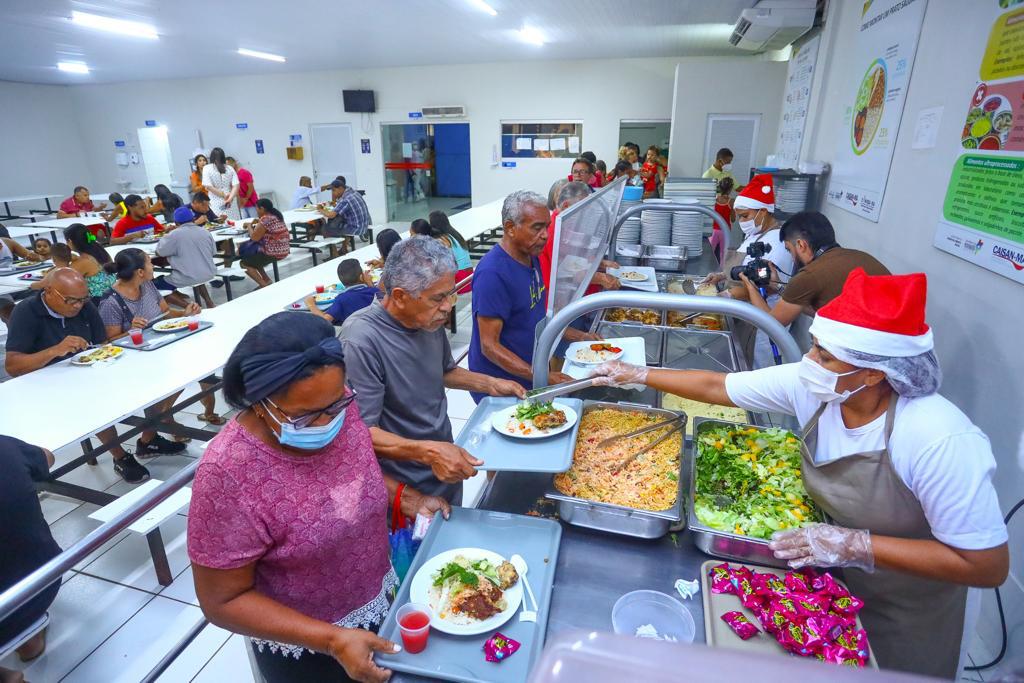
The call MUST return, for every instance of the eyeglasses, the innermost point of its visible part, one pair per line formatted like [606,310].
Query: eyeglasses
[332,410]
[72,300]
[439,300]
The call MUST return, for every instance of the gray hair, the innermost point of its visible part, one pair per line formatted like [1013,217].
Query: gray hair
[572,193]
[556,187]
[415,264]
[512,209]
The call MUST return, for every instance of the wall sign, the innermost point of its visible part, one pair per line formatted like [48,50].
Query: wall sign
[118,143]
[365,144]
[983,211]
[508,164]
[875,91]
[415,115]
[150,123]
[294,139]
[799,76]
[259,146]
[241,126]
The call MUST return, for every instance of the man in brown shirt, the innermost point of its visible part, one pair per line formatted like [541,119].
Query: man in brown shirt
[822,267]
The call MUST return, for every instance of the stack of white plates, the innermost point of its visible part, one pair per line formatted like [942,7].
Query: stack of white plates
[700,189]
[688,229]
[656,226]
[629,233]
[791,195]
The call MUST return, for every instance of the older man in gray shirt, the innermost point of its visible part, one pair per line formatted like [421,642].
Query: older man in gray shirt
[399,361]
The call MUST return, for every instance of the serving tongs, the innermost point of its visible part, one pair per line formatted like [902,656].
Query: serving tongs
[545,394]
[677,422]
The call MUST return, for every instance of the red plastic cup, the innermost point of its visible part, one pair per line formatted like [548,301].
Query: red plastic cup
[231,222]
[319,289]
[193,324]
[136,335]
[414,623]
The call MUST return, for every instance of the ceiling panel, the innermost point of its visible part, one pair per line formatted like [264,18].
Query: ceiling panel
[200,37]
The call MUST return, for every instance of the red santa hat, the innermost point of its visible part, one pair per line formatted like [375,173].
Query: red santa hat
[759,193]
[878,314]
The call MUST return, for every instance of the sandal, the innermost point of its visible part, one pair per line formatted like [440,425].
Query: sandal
[212,418]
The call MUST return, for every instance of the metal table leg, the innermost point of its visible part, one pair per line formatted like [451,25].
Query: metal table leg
[159,553]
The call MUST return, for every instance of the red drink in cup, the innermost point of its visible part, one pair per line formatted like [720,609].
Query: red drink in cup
[136,335]
[193,324]
[414,623]
[319,289]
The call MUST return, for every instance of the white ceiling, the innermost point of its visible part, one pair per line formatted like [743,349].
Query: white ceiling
[200,37]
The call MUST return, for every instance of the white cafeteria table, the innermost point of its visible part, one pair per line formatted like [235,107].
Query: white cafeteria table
[141,378]
[7,201]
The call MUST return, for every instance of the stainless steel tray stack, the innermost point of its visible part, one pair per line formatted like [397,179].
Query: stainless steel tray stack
[618,519]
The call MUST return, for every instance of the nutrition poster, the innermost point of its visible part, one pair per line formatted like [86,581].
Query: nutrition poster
[799,76]
[983,210]
[875,90]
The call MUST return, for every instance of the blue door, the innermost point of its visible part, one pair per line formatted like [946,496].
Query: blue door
[451,159]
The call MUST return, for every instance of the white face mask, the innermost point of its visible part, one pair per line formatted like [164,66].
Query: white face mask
[821,382]
[726,167]
[750,228]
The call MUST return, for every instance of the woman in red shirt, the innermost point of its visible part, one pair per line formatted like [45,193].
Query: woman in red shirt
[269,242]
[723,206]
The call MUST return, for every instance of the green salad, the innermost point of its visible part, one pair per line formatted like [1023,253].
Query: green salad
[748,481]
[528,411]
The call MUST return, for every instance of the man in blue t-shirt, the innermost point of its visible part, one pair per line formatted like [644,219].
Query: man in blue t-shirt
[509,297]
[359,293]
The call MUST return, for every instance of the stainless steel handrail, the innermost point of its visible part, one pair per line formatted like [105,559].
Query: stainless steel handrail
[662,206]
[36,582]
[687,303]
[175,651]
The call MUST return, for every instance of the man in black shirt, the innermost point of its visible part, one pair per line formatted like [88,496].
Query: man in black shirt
[53,325]
[25,538]
[201,208]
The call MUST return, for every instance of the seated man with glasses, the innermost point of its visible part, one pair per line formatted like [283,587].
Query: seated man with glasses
[53,325]
[398,358]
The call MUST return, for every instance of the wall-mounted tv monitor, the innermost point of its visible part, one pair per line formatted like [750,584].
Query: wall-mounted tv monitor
[359,100]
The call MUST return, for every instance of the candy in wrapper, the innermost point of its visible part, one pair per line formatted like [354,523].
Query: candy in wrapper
[855,640]
[769,585]
[848,605]
[837,654]
[793,638]
[787,606]
[825,584]
[721,579]
[798,582]
[420,526]
[808,604]
[745,590]
[740,625]
[826,625]
[498,647]
[774,619]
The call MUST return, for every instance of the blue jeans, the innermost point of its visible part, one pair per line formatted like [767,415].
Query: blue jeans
[248,212]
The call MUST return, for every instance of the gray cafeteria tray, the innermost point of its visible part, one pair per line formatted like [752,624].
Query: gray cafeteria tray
[461,658]
[618,519]
[509,454]
[300,303]
[694,349]
[717,543]
[653,336]
[153,340]
[26,269]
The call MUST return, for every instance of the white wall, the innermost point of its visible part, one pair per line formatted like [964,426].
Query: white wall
[39,138]
[742,86]
[976,314]
[598,92]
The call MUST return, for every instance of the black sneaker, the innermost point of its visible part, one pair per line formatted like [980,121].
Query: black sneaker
[129,469]
[235,278]
[217,284]
[158,446]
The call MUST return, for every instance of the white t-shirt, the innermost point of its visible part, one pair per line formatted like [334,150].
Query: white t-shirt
[936,450]
[782,259]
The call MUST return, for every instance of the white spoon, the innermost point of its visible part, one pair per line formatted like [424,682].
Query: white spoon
[520,564]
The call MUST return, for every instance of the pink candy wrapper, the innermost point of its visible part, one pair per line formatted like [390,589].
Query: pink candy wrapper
[809,604]
[740,625]
[721,579]
[798,582]
[498,647]
[769,585]
[847,606]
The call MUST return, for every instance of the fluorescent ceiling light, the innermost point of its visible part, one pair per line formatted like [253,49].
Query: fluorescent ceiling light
[531,35]
[485,7]
[73,67]
[260,55]
[122,26]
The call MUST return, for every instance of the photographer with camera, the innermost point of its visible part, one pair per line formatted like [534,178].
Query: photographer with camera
[762,258]
[822,267]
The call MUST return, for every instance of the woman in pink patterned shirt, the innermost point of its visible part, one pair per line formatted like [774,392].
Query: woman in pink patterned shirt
[287,527]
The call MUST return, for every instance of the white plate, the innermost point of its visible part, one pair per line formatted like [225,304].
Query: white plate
[77,359]
[501,418]
[419,591]
[173,325]
[573,354]
[633,276]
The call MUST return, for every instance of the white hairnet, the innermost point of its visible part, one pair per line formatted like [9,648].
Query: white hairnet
[909,376]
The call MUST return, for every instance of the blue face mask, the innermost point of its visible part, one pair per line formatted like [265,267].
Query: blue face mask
[309,438]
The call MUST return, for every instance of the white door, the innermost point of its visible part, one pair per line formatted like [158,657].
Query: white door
[738,132]
[156,156]
[332,153]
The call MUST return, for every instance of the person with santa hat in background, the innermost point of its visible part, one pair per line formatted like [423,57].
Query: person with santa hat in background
[755,212]
[903,475]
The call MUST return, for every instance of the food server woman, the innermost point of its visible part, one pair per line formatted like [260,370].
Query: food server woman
[904,476]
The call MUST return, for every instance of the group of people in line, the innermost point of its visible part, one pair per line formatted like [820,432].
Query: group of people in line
[343,415]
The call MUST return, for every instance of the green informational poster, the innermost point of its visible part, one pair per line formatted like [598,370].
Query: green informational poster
[983,211]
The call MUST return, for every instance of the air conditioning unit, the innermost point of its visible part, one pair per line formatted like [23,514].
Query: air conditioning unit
[773,24]
[444,112]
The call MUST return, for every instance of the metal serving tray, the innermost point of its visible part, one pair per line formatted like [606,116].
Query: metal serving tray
[654,337]
[694,349]
[153,340]
[460,658]
[618,519]
[722,543]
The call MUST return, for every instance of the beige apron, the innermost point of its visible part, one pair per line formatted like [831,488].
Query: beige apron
[913,624]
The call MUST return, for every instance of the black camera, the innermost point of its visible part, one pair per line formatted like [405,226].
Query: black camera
[758,270]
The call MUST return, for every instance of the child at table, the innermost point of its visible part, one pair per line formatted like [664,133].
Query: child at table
[41,246]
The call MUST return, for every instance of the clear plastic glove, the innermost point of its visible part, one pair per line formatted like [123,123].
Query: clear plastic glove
[615,373]
[824,545]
